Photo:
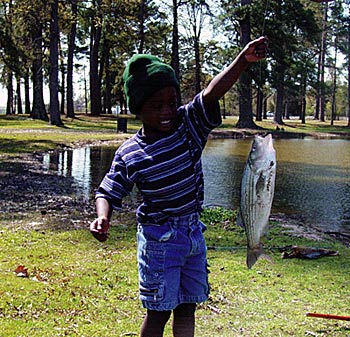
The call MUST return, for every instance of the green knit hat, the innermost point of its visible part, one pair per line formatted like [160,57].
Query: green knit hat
[143,76]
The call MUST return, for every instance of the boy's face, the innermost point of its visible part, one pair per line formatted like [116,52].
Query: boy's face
[158,113]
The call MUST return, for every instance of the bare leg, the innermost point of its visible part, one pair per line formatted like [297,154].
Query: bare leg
[184,320]
[154,323]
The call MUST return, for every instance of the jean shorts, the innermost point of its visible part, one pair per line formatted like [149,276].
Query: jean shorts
[172,263]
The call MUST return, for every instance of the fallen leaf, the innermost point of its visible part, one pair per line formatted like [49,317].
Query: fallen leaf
[22,271]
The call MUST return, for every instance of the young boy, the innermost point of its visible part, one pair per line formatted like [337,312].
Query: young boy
[164,161]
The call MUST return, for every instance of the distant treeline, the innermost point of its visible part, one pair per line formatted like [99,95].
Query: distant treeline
[48,42]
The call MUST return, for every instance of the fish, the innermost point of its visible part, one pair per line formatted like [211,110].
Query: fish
[256,196]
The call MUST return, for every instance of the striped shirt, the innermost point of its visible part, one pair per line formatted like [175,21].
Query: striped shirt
[167,171]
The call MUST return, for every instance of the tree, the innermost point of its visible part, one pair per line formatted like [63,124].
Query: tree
[95,39]
[70,57]
[11,55]
[55,116]
[236,20]
[142,26]
[291,28]
[175,60]
[344,47]
[19,96]
[245,81]
[38,108]
[321,93]
[10,99]
[197,12]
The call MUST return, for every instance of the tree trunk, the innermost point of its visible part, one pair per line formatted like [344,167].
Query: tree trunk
[38,108]
[55,116]
[175,61]
[303,100]
[63,83]
[95,85]
[71,46]
[323,57]
[196,15]
[279,99]
[245,81]
[63,89]
[106,55]
[19,97]
[317,98]
[259,104]
[10,102]
[26,93]
[334,88]
[286,110]
[197,64]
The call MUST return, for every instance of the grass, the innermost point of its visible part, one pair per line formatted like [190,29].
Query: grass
[24,135]
[20,134]
[80,287]
[295,126]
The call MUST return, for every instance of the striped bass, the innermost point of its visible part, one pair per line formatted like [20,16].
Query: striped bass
[257,189]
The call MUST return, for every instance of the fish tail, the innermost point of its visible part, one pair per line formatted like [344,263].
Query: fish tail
[256,253]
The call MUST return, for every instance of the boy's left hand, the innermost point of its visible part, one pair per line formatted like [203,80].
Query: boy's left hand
[256,50]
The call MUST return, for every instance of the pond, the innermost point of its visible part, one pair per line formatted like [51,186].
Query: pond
[312,180]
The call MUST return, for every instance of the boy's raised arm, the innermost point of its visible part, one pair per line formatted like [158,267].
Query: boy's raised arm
[254,51]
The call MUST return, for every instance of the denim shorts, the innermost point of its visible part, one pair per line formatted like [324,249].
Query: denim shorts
[172,263]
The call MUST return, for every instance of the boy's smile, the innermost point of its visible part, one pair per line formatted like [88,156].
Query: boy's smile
[158,112]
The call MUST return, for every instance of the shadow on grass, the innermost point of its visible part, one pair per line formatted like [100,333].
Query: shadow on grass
[11,146]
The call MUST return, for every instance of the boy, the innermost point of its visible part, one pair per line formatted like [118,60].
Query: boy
[164,161]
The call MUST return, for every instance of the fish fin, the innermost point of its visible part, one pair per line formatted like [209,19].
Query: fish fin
[254,254]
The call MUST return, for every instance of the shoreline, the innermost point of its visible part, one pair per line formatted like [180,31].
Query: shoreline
[27,189]
[32,198]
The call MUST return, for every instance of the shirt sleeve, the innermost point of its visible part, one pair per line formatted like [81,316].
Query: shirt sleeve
[115,185]
[200,121]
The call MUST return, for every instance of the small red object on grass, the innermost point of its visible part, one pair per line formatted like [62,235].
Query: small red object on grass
[328,316]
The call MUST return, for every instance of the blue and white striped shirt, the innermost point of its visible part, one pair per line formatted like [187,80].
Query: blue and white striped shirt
[167,172]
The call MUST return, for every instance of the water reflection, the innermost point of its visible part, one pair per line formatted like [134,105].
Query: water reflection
[312,180]
[86,165]
[313,176]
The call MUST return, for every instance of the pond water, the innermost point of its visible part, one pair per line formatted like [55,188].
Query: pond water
[312,180]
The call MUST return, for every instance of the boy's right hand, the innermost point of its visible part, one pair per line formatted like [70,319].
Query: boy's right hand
[99,228]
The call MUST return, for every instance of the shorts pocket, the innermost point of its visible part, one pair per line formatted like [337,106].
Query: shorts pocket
[151,261]
[151,292]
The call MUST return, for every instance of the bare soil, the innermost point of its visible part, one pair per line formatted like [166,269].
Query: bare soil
[32,197]
[35,198]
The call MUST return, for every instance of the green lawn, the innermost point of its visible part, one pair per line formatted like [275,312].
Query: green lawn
[79,287]
[20,134]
